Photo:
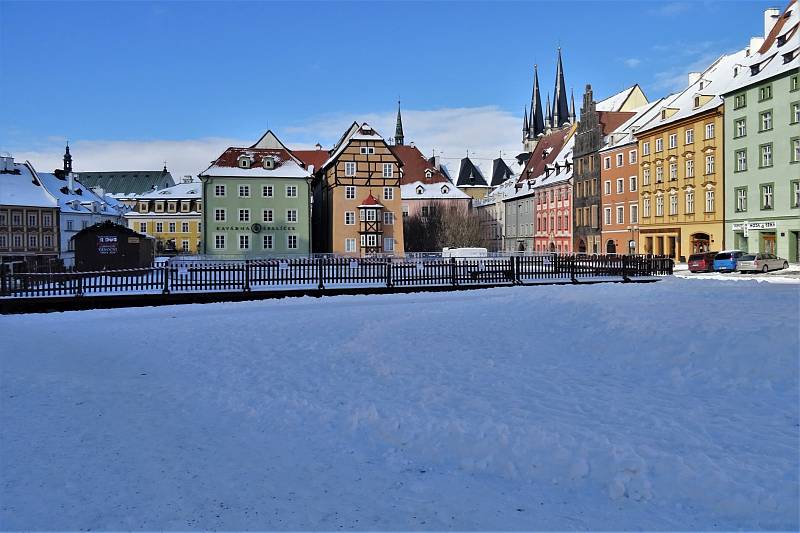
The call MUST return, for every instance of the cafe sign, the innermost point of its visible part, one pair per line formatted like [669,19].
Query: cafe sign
[754,225]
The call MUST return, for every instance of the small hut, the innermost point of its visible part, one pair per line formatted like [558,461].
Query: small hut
[110,246]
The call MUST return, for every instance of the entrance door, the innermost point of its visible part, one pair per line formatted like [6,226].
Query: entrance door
[611,248]
[581,246]
[700,243]
[768,243]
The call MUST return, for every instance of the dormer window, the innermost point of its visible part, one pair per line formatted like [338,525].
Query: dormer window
[420,189]
[244,161]
[696,101]
[445,189]
[269,162]
[428,173]
[702,84]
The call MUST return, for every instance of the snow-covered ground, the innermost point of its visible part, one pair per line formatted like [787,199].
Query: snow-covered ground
[671,405]
[788,275]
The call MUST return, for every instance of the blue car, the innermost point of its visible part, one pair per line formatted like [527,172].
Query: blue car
[726,260]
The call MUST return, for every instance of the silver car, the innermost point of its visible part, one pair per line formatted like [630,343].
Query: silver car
[760,263]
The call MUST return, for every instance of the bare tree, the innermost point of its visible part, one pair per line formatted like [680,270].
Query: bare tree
[438,225]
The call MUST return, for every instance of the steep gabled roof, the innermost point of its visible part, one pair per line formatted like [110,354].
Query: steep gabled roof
[356,132]
[127,182]
[545,152]
[611,120]
[470,175]
[315,158]
[370,201]
[500,172]
[285,164]
[616,102]
[416,167]
[20,186]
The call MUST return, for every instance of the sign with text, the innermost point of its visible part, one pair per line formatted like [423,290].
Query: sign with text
[107,244]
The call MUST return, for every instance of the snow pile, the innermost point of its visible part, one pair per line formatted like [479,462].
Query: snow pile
[556,407]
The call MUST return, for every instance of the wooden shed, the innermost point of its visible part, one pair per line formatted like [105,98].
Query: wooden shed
[109,246]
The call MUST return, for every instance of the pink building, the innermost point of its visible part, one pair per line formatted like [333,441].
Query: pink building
[553,204]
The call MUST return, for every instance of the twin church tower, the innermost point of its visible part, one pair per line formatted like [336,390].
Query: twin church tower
[538,121]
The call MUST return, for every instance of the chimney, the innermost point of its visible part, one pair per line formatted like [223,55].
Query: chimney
[755,44]
[319,146]
[6,163]
[693,77]
[771,16]
[187,178]
[71,182]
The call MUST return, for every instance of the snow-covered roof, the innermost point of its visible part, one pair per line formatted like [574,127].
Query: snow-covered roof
[559,171]
[283,163]
[431,191]
[79,199]
[616,101]
[778,54]
[20,186]
[191,190]
[625,134]
[356,132]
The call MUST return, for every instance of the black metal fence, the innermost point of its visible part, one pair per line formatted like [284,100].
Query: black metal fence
[331,272]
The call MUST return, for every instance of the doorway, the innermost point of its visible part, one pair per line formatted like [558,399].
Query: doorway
[611,247]
[768,245]
[700,243]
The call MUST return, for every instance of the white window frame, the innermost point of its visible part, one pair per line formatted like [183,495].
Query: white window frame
[710,131]
[690,168]
[291,214]
[659,144]
[646,148]
[244,215]
[388,170]
[689,136]
[267,191]
[220,191]
[673,204]
[607,216]
[292,242]
[268,241]
[634,213]
[268,215]
[350,245]
[388,218]
[633,183]
[350,192]
[349,218]
[243,238]
[620,214]
[350,169]
[220,211]
[607,187]
[633,156]
[244,191]
[673,140]
[388,244]
[690,202]
[620,185]
[388,193]
[291,191]
[217,238]
[710,201]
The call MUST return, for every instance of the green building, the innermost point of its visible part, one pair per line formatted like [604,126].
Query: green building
[762,143]
[256,202]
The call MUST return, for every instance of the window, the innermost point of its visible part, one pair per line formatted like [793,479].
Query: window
[349,245]
[767,196]
[673,171]
[16,219]
[291,242]
[350,192]
[607,216]
[673,204]
[766,155]
[159,207]
[17,241]
[709,131]
[219,242]
[673,140]
[646,148]
[388,170]
[184,227]
[620,214]
[607,187]
[741,160]
[632,183]
[267,215]
[367,150]
[185,207]
[219,191]
[794,115]
[795,150]
[349,218]
[388,244]
[620,185]
[690,168]
[741,199]
[740,101]
[740,127]
[3,241]
[388,218]
[620,159]
[709,201]
[47,220]
[765,120]
[291,215]
[765,93]
[142,227]
[659,174]
[172,227]
[659,145]
[291,191]
[219,215]
[33,241]
[350,168]
[632,156]
[244,242]
[606,162]
[794,83]
[634,214]
[388,193]
[267,191]
[372,240]
[795,199]
[185,245]
[709,164]
[689,202]
[646,176]
[159,227]
[70,224]
[659,206]
[244,215]
[268,242]
[244,162]
[690,136]
[32,219]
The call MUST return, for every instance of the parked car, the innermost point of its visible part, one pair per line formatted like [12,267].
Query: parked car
[725,261]
[761,262]
[703,262]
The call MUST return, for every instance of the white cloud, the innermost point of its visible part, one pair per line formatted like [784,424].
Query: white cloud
[484,131]
[632,62]
[677,78]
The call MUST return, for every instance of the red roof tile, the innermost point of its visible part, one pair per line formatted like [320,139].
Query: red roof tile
[776,30]
[544,154]
[230,157]
[611,120]
[415,165]
[370,201]
[316,158]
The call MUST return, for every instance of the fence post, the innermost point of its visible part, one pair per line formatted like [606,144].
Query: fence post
[3,280]
[572,266]
[246,283]
[389,272]
[625,277]
[453,273]
[515,277]
[320,272]
[165,272]
[79,292]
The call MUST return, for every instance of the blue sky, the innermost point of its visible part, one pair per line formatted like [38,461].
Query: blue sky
[111,73]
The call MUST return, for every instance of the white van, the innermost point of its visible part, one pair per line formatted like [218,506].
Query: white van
[465,252]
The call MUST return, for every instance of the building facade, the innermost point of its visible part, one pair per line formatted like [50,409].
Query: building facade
[586,179]
[682,171]
[553,206]
[519,219]
[29,217]
[257,202]
[762,143]
[361,165]
[172,216]
[423,186]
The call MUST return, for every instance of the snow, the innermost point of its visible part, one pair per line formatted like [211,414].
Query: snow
[289,169]
[20,189]
[615,101]
[602,407]
[410,191]
[71,202]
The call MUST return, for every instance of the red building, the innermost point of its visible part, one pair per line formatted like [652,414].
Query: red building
[553,211]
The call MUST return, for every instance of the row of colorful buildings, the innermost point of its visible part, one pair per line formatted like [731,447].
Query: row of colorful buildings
[712,166]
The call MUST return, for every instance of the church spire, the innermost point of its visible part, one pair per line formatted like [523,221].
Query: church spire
[548,120]
[67,160]
[398,130]
[537,119]
[560,108]
[572,116]
[525,124]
